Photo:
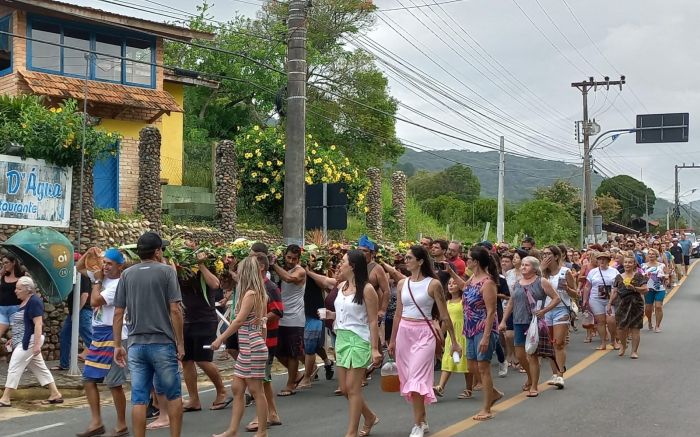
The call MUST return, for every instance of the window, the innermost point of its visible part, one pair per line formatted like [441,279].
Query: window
[46,56]
[5,46]
[116,58]
[137,72]
[74,61]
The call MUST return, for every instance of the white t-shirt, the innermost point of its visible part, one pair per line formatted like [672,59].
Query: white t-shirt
[655,276]
[104,314]
[599,279]
[558,282]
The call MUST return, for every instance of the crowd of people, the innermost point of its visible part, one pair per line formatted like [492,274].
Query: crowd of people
[435,307]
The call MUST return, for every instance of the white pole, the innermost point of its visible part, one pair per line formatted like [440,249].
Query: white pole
[500,219]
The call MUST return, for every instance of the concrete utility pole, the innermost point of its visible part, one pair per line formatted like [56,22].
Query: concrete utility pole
[295,154]
[500,217]
[584,87]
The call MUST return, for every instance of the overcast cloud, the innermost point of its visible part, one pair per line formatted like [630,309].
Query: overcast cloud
[654,43]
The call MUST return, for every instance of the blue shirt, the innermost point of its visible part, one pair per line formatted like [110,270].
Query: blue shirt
[33,308]
[685,245]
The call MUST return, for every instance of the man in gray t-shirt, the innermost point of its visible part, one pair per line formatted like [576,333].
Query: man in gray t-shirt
[149,294]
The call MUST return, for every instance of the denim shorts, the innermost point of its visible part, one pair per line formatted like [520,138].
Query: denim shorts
[147,361]
[313,336]
[654,296]
[519,333]
[558,316]
[6,312]
[473,347]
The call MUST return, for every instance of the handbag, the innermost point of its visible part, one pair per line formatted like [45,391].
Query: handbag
[439,339]
[544,347]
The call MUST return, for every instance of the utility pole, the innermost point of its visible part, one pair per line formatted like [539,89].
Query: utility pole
[500,218]
[585,87]
[295,154]
[646,201]
[677,199]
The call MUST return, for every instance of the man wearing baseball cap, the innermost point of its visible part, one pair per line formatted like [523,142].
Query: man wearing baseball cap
[149,294]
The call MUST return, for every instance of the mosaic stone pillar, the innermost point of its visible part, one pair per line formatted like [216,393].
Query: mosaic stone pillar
[149,202]
[374,203]
[398,200]
[87,207]
[225,194]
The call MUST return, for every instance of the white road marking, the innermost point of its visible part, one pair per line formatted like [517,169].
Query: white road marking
[34,430]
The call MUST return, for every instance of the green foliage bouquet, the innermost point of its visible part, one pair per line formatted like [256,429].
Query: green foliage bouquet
[260,161]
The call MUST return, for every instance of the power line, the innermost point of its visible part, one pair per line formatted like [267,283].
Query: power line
[408,8]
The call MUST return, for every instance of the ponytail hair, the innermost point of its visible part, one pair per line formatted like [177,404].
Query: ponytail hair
[485,261]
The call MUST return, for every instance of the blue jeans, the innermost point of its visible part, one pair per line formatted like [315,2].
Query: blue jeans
[84,330]
[147,361]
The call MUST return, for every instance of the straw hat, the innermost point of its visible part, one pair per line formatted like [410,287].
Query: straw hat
[603,255]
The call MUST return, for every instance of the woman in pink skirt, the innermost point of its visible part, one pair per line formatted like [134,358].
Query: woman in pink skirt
[413,337]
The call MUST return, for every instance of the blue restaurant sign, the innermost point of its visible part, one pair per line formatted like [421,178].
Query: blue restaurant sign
[34,193]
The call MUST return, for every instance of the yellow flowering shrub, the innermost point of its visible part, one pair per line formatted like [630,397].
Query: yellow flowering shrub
[260,161]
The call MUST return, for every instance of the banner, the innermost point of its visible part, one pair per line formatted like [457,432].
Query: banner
[34,193]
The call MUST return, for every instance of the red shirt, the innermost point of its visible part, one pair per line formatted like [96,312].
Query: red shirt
[460,265]
[274,305]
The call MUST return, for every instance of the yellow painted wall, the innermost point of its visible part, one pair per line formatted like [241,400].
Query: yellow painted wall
[172,146]
[127,129]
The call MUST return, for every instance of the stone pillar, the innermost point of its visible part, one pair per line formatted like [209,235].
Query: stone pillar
[87,207]
[225,190]
[148,202]
[374,203]
[398,200]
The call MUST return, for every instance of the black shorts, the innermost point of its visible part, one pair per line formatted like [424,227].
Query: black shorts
[196,336]
[686,260]
[232,342]
[290,342]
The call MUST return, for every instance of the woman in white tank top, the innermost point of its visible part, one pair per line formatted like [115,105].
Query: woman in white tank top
[413,336]
[357,337]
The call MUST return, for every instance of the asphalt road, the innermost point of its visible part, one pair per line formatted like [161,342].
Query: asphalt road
[604,395]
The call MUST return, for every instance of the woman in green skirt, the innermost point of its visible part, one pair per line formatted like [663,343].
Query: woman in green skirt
[357,335]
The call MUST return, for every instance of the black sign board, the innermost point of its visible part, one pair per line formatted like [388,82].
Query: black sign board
[335,206]
[663,128]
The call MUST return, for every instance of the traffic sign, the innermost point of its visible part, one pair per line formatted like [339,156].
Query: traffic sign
[662,128]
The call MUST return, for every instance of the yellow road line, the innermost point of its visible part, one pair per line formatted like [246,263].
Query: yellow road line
[464,425]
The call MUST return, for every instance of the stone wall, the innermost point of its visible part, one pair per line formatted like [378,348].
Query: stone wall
[374,203]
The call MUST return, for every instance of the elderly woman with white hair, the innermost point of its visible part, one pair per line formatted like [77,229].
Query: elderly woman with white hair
[27,338]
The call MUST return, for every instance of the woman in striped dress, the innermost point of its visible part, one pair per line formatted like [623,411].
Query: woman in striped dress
[250,367]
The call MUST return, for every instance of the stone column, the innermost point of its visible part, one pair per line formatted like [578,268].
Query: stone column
[225,190]
[398,200]
[374,203]
[87,207]
[148,202]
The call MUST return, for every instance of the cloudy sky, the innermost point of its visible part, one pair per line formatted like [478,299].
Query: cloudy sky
[505,67]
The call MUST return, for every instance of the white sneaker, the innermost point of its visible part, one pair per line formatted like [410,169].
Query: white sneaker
[553,380]
[426,428]
[417,431]
[559,383]
[502,369]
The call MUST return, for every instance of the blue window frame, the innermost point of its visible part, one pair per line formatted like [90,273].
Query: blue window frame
[5,45]
[114,52]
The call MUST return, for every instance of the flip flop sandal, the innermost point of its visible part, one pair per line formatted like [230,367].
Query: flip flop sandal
[58,369]
[439,391]
[466,394]
[533,394]
[92,432]
[296,383]
[337,392]
[152,426]
[274,423]
[121,433]
[365,383]
[52,401]
[221,405]
[285,393]
[252,427]
[190,409]
[483,417]
[303,387]
[366,429]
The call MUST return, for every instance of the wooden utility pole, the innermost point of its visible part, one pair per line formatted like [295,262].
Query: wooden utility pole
[584,87]
[294,188]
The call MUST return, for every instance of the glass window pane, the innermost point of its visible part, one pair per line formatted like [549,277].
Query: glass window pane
[74,60]
[44,55]
[108,58]
[5,45]
[137,72]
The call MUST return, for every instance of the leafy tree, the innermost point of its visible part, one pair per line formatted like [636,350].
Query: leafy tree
[631,194]
[457,181]
[608,207]
[563,193]
[447,209]
[546,220]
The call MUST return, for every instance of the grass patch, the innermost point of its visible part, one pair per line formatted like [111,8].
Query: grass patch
[111,215]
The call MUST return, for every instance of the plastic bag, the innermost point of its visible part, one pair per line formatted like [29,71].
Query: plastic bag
[390,377]
[587,320]
[532,337]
